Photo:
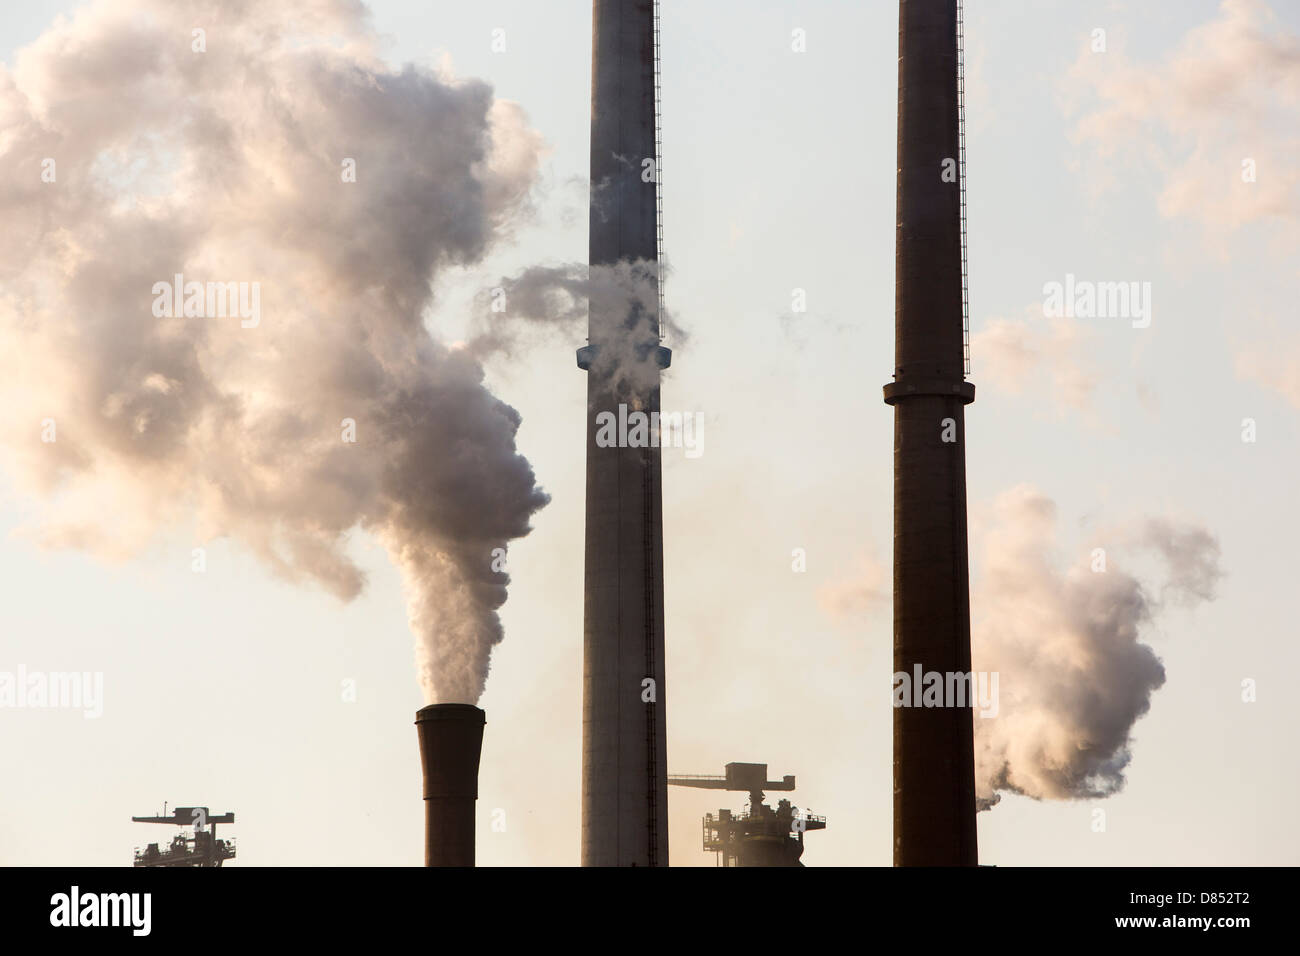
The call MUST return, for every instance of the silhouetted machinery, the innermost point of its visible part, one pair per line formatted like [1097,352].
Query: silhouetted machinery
[760,836]
[202,848]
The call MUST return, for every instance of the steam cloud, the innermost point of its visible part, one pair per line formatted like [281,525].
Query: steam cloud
[1015,352]
[1074,673]
[560,296]
[225,166]
[1232,80]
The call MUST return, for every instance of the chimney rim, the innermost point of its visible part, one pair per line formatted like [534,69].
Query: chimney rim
[465,712]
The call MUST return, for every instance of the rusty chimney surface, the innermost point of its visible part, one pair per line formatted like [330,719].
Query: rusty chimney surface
[451,740]
[934,764]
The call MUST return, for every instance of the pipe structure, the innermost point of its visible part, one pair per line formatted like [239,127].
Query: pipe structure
[624,756]
[451,740]
[934,768]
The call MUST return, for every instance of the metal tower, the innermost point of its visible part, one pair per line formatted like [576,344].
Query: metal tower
[624,782]
[200,849]
[934,773]
[763,836]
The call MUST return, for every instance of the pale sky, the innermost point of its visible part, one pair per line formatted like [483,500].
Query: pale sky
[223,688]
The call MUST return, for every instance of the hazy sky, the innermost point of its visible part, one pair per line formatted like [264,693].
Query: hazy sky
[224,688]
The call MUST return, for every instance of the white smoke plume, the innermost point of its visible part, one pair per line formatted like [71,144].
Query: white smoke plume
[134,149]
[560,296]
[1074,673]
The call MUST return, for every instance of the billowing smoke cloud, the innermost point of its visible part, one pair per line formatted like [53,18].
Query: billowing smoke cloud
[133,150]
[1074,674]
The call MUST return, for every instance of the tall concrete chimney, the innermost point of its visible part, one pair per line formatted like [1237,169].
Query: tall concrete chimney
[624,780]
[934,765]
[451,738]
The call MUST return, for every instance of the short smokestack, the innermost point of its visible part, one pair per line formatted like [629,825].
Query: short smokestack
[451,739]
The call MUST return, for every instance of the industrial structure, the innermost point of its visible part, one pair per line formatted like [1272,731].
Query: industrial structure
[451,741]
[624,779]
[201,848]
[762,836]
[934,772]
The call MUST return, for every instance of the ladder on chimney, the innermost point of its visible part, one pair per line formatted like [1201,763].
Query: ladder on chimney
[961,172]
[659,182]
[653,770]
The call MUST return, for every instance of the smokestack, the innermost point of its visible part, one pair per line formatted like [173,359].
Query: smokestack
[451,738]
[624,779]
[934,769]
